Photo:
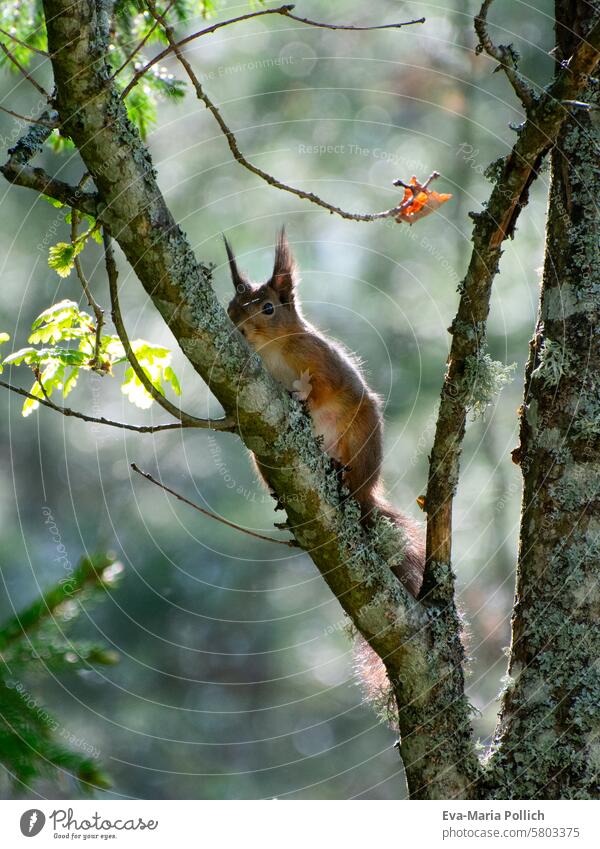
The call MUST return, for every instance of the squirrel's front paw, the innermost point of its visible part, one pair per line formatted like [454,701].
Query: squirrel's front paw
[302,387]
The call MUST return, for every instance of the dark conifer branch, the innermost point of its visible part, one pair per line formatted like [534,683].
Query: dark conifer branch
[90,572]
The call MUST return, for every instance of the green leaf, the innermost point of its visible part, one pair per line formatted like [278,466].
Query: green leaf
[60,143]
[172,378]
[23,355]
[70,382]
[4,337]
[51,312]
[53,202]
[61,257]
[141,109]
[156,363]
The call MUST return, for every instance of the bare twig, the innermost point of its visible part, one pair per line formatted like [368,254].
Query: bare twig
[239,156]
[24,43]
[280,10]
[66,411]
[225,424]
[290,543]
[139,47]
[319,24]
[26,120]
[25,73]
[17,169]
[492,227]
[97,309]
[506,55]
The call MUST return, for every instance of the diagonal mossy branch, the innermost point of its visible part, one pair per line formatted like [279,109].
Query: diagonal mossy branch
[354,562]
[492,226]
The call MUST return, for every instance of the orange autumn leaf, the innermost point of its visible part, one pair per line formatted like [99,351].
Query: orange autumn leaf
[418,204]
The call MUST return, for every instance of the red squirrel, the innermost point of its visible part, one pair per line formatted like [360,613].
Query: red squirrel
[344,411]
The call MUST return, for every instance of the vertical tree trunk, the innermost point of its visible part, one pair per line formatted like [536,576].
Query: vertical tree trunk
[548,737]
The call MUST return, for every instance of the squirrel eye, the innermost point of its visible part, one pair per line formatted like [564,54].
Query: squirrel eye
[268,308]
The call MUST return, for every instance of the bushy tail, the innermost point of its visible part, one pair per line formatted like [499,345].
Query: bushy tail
[368,666]
[410,571]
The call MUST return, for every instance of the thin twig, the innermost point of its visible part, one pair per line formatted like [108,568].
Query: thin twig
[51,126]
[66,411]
[24,43]
[140,45]
[506,55]
[289,543]
[25,73]
[225,424]
[280,10]
[319,24]
[239,156]
[97,309]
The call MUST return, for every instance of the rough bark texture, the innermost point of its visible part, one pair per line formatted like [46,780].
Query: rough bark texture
[438,754]
[548,715]
[549,729]
[512,176]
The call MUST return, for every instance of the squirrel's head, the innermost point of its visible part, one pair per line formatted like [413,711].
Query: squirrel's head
[268,311]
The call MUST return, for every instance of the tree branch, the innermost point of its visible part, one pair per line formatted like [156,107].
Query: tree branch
[290,543]
[506,55]
[492,227]
[23,71]
[354,561]
[280,10]
[26,120]
[137,49]
[97,310]
[23,43]
[18,171]
[69,413]
[225,424]
[394,212]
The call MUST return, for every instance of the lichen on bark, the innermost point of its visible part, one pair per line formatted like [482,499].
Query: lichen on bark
[548,737]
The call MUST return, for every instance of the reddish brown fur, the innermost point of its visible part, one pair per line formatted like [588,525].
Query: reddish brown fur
[345,412]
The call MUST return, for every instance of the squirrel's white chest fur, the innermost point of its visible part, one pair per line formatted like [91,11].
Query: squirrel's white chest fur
[325,418]
[278,366]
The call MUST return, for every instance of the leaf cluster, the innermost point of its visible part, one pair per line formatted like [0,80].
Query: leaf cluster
[57,365]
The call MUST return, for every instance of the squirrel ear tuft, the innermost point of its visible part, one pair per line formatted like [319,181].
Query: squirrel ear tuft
[240,281]
[284,270]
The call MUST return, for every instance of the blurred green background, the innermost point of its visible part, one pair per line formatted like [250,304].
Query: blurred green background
[235,679]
